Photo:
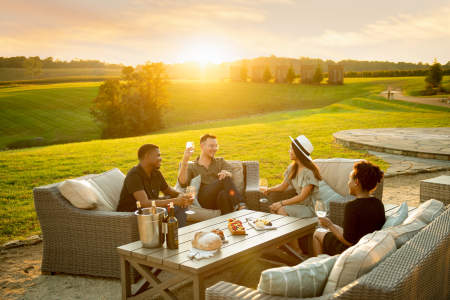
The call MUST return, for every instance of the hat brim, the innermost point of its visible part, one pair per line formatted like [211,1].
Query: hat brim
[304,154]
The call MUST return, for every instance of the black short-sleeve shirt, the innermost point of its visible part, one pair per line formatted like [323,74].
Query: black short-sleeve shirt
[137,180]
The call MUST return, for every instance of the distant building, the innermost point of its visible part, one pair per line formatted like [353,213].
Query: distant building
[280,73]
[235,73]
[256,73]
[335,74]
[307,73]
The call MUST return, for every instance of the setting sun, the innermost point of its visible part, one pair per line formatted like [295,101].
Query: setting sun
[204,53]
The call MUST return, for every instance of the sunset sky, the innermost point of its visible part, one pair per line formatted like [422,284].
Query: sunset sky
[136,31]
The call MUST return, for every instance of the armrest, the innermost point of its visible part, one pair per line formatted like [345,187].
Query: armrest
[336,212]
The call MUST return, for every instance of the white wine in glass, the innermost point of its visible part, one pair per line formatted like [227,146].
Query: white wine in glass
[263,186]
[321,212]
[190,190]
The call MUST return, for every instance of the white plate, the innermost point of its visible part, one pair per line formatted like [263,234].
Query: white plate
[251,221]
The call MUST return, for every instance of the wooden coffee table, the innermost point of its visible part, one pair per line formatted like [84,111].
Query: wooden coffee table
[239,249]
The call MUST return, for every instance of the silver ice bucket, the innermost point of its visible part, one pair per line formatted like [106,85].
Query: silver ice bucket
[150,227]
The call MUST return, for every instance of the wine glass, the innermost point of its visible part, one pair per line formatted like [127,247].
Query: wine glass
[321,212]
[263,186]
[190,190]
[190,145]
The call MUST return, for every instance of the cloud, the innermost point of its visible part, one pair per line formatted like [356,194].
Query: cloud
[404,27]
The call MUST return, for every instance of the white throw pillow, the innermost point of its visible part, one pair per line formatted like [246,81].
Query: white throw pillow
[109,184]
[359,259]
[327,194]
[335,172]
[80,193]
[237,171]
[398,217]
[404,232]
[426,212]
[305,280]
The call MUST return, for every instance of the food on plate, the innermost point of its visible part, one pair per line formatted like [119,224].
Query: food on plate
[219,233]
[264,221]
[236,227]
[260,224]
[207,241]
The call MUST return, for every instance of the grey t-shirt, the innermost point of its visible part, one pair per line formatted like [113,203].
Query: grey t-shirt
[303,178]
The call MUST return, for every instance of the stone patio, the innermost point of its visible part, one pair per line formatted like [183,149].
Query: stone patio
[428,143]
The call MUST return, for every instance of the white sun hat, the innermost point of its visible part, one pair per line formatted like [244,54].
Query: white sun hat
[304,145]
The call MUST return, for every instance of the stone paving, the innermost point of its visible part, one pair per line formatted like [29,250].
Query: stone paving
[429,143]
[407,165]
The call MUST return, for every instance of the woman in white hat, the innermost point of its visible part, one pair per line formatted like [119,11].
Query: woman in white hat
[304,176]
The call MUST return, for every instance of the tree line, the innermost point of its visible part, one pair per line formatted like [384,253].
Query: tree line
[50,62]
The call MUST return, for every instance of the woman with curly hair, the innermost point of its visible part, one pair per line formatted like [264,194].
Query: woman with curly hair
[363,215]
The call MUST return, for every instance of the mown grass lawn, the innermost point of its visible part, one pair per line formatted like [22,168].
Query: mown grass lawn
[263,138]
[59,113]
[416,86]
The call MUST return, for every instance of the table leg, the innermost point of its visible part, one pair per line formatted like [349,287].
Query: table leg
[125,278]
[199,288]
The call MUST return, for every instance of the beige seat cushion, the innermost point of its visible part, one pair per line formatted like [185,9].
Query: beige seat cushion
[305,280]
[335,172]
[80,193]
[426,212]
[238,175]
[360,259]
[109,184]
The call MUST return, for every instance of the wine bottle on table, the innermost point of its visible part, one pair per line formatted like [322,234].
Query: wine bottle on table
[139,208]
[172,229]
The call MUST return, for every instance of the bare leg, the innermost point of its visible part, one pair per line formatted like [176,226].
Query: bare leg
[318,242]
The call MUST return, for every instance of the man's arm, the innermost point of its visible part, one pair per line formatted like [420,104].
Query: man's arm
[171,192]
[182,200]
[183,177]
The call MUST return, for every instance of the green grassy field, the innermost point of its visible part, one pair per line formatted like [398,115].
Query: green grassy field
[261,137]
[416,85]
[59,113]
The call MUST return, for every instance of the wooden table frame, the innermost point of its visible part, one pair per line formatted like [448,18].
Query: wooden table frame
[239,249]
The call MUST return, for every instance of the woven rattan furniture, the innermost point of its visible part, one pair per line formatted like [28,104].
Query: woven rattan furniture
[236,252]
[435,188]
[78,241]
[420,269]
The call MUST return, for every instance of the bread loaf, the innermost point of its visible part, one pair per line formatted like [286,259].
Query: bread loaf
[206,241]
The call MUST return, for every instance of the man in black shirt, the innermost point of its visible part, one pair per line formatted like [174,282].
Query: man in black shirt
[144,182]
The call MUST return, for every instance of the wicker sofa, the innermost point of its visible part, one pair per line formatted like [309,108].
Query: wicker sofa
[420,269]
[78,241]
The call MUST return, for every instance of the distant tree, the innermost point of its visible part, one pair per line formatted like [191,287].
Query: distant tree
[127,73]
[434,77]
[244,72]
[290,76]
[318,76]
[33,65]
[133,105]
[267,75]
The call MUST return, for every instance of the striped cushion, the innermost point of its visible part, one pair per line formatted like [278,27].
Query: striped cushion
[302,281]
[404,232]
[426,212]
[359,259]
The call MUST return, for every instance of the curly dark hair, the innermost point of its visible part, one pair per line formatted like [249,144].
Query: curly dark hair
[368,174]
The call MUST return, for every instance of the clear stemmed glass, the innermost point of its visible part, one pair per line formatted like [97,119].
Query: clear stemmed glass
[190,190]
[321,212]
[263,185]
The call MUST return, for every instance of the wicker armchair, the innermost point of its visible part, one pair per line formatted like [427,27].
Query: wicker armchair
[420,269]
[78,241]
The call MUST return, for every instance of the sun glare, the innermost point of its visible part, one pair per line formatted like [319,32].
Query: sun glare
[205,53]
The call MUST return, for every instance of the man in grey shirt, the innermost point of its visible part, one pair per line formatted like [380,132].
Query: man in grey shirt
[217,190]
